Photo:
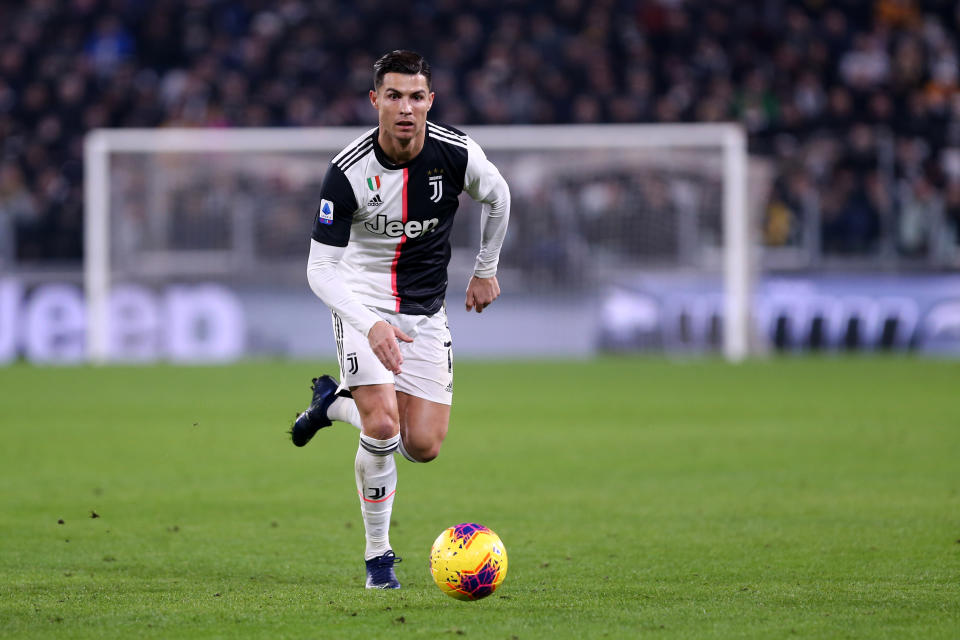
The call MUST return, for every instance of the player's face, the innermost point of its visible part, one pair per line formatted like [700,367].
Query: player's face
[403,101]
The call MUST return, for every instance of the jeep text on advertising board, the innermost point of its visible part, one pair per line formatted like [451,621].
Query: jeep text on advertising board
[197,323]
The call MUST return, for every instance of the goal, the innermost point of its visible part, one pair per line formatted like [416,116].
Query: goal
[225,215]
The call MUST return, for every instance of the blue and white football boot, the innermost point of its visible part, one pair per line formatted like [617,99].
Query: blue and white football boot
[380,573]
[315,417]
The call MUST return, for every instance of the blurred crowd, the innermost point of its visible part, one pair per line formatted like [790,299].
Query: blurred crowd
[857,102]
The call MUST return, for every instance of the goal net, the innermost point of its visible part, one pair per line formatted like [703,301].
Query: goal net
[621,236]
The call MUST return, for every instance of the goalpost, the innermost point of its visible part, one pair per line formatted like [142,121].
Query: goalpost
[108,151]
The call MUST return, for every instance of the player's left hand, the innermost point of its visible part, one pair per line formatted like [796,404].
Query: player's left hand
[481,292]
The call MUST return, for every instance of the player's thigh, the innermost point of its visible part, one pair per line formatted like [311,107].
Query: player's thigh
[379,411]
[423,424]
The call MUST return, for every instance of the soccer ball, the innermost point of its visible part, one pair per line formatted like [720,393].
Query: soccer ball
[468,561]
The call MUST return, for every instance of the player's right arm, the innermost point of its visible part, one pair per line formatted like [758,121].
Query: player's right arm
[331,234]
[324,281]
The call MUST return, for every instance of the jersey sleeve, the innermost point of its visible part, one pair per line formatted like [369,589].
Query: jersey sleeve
[331,225]
[482,179]
[485,185]
[329,287]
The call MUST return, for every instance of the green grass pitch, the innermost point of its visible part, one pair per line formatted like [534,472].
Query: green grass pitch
[636,498]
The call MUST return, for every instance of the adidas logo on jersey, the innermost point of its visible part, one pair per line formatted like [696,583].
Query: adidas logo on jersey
[375,201]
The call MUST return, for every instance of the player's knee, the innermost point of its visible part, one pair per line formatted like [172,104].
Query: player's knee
[424,450]
[429,453]
[380,426]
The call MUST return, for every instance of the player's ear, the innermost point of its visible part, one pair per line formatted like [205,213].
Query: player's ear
[373,99]
[430,101]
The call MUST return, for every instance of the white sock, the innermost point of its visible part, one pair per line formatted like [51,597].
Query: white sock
[344,410]
[376,474]
[403,451]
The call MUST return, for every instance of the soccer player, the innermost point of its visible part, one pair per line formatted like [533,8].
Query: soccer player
[378,258]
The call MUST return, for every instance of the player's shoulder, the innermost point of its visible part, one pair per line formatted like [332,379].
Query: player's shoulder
[445,134]
[355,151]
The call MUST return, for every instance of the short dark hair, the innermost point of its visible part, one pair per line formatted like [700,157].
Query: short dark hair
[401,61]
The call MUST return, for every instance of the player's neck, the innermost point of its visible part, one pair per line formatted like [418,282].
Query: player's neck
[401,151]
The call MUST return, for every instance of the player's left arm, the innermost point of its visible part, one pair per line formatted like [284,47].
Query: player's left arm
[485,185]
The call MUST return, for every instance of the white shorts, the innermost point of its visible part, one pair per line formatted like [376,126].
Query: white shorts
[427,369]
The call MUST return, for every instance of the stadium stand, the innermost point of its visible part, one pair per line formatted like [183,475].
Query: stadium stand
[857,102]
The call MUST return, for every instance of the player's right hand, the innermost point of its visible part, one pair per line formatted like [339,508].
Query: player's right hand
[383,338]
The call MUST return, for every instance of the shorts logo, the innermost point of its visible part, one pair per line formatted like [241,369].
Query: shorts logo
[437,183]
[352,364]
[325,212]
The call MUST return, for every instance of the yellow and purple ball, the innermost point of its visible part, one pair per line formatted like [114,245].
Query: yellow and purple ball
[468,561]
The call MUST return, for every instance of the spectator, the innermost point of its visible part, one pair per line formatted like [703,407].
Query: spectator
[17,210]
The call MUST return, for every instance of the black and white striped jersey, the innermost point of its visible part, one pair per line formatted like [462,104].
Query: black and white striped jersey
[395,220]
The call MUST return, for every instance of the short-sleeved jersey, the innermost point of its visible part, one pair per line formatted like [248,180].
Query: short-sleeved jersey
[395,219]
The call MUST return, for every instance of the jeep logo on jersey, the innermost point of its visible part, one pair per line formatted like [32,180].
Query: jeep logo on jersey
[394,229]
[437,183]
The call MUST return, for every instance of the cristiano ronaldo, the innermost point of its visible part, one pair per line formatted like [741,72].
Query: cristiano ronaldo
[378,259]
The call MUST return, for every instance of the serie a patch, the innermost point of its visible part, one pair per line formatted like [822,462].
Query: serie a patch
[325,213]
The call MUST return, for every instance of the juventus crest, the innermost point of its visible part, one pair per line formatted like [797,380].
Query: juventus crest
[437,183]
